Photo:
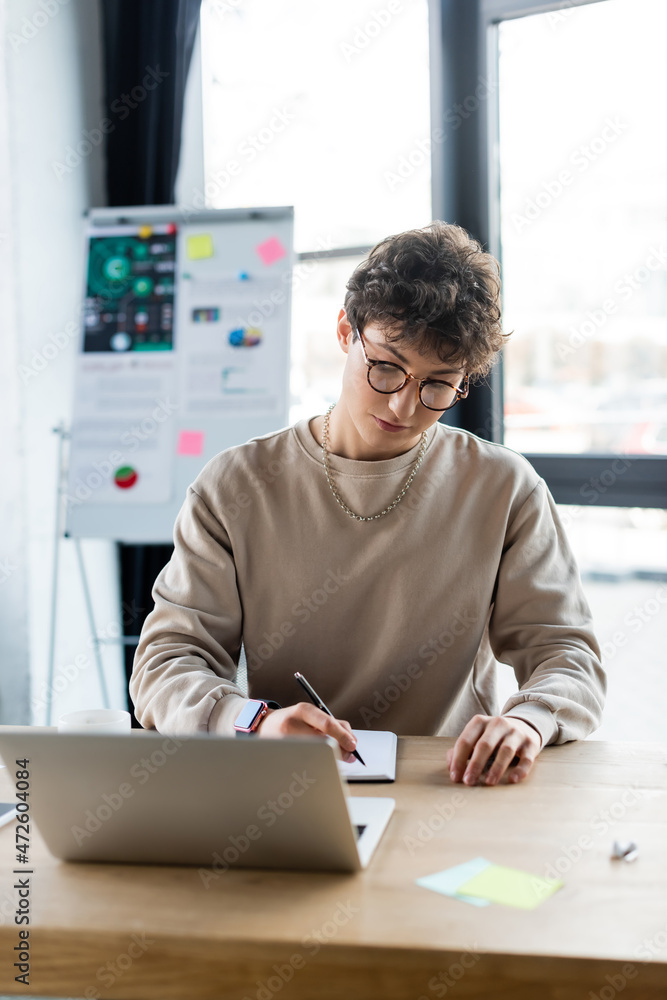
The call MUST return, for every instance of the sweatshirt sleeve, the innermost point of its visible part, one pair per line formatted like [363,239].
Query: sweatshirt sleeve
[183,679]
[541,626]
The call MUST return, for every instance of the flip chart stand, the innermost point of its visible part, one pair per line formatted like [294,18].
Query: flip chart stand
[63,436]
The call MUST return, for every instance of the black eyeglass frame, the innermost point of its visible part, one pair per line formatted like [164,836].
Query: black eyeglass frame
[461,392]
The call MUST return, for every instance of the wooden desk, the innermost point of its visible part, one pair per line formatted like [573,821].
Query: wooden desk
[145,932]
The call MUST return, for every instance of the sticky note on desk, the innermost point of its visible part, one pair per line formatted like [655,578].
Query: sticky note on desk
[509,886]
[190,443]
[200,247]
[449,880]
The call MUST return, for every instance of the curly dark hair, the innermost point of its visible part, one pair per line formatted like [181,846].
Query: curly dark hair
[434,289]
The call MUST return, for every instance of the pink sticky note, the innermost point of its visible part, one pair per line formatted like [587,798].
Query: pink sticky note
[271,250]
[190,443]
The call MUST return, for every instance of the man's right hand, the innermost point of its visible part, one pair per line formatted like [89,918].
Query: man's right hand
[304,719]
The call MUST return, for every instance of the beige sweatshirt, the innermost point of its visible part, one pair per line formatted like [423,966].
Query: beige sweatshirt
[395,622]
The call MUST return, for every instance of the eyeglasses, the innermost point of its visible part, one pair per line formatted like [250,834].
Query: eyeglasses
[434,394]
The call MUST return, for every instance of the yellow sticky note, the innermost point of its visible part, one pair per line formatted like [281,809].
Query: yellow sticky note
[200,247]
[510,887]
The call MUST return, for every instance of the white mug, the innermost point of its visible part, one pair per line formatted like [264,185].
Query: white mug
[95,720]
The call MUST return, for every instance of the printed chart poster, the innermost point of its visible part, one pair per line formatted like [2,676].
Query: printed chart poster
[233,323]
[123,431]
[184,351]
[124,421]
[129,303]
[232,354]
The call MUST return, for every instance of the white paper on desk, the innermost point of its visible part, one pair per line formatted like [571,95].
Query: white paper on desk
[378,750]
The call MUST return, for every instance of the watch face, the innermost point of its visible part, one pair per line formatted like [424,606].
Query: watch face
[248,714]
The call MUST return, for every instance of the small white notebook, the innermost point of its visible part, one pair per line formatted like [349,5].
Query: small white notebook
[378,750]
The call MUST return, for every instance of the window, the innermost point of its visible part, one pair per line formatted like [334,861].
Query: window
[581,229]
[583,162]
[339,128]
[551,152]
[622,555]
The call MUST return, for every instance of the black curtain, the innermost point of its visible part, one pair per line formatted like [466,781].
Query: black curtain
[147,50]
[147,46]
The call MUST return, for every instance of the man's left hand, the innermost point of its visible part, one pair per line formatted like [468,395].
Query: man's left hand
[494,740]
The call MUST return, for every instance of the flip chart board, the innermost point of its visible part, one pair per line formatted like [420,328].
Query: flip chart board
[184,351]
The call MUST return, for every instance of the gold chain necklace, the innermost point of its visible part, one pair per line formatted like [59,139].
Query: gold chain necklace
[337,497]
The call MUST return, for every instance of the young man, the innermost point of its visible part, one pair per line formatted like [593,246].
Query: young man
[390,558]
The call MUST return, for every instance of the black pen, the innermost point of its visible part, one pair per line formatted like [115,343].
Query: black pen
[316,700]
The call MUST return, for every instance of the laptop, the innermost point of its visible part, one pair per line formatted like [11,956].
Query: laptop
[212,801]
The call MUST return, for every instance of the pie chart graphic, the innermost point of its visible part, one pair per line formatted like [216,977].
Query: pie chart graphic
[116,268]
[143,286]
[245,336]
[110,266]
[125,477]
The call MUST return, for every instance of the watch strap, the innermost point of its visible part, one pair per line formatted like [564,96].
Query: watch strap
[269,704]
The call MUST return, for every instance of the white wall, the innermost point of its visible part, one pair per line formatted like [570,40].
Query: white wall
[14,665]
[52,78]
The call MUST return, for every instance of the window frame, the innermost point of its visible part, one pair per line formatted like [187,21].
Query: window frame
[464,48]
[465,188]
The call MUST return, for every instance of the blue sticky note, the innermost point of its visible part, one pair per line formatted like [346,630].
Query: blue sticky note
[448,880]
